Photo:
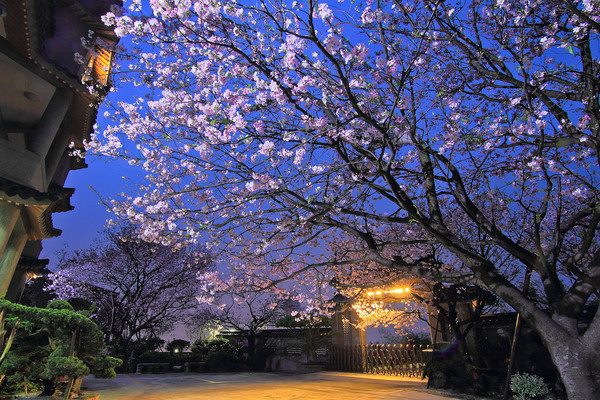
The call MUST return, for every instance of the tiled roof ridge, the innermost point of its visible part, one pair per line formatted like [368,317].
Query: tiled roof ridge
[46,222]
[27,194]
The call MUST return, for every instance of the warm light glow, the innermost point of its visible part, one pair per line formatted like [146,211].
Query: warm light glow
[393,291]
[399,290]
[98,67]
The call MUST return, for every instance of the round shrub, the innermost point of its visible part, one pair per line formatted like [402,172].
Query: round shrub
[526,386]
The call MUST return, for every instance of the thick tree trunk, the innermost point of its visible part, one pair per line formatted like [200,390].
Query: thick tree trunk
[578,366]
[574,354]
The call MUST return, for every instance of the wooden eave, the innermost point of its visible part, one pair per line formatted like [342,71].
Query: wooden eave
[23,46]
[17,26]
[37,207]
[32,264]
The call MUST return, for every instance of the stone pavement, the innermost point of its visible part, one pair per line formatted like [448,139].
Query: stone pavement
[260,386]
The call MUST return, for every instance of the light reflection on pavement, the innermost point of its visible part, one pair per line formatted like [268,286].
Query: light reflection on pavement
[260,386]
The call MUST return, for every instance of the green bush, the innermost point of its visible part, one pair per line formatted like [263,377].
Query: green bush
[50,344]
[163,357]
[155,357]
[15,384]
[60,366]
[220,354]
[60,305]
[526,386]
[104,367]
[177,346]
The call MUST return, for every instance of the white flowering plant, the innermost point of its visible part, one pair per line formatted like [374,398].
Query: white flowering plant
[526,386]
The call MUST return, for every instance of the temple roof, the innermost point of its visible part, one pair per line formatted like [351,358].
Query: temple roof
[32,264]
[23,195]
[49,33]
[38,207]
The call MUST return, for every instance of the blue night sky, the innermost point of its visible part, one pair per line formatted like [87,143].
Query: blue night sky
[83,224]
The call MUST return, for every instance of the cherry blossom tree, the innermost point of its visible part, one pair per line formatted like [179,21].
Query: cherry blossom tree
[140,289]
[455,141]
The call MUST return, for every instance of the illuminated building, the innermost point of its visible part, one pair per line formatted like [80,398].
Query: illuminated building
[45,104]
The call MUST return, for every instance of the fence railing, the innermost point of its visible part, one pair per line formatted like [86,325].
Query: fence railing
[405,360]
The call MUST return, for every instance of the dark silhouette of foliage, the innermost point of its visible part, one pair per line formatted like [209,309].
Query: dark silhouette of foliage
[53,343]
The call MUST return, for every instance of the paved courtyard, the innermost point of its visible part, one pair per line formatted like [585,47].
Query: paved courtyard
[260,386]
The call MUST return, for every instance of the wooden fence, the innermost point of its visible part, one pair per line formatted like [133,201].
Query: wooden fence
[377,359]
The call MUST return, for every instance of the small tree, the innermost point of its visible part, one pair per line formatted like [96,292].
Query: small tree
[54,343]
[141,289]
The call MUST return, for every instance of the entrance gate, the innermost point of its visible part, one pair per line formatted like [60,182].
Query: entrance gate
[396,360]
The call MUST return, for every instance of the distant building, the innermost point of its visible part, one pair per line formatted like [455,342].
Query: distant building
[45,105]
[285,349]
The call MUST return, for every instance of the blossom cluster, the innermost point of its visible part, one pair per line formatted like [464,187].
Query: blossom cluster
[428,135]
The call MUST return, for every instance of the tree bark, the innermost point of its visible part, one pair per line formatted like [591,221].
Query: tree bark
[577,370]
[577,363]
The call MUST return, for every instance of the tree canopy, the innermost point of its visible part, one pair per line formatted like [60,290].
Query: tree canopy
[140,289]
[456,141]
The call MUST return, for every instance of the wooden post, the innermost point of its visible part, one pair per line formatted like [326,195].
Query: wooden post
[3,335]
[71,354]
[437,325]
[515,342]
